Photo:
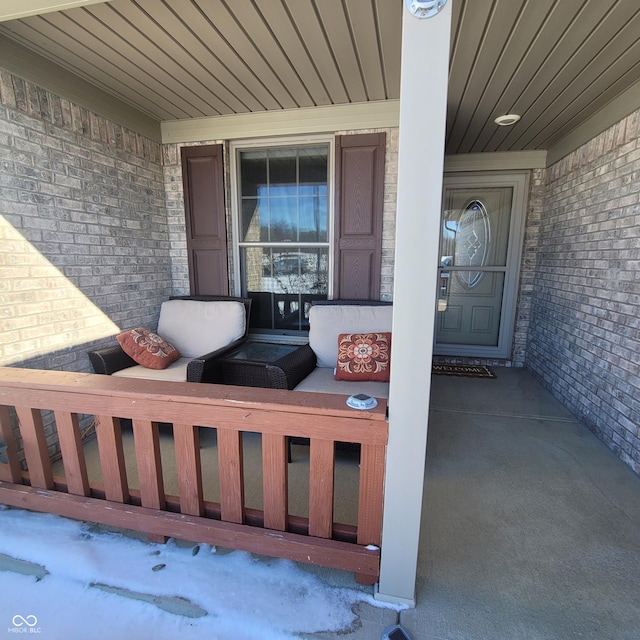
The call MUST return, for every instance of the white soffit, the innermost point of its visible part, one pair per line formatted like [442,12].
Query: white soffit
[382,114]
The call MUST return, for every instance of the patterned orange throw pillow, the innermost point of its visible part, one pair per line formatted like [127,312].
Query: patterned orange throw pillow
[148,348]
[364,356]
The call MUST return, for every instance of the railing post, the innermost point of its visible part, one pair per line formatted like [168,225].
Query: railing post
[321,487]
[35,447]
[10,470]
[75,467]
[147,444]
[275,481]
[189,468]
[370,500]
[372,461]
[114,471]
[231,471]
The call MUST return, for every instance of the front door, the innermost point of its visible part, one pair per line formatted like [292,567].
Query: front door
[480,247]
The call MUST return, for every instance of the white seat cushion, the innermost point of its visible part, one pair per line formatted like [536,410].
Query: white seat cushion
[322,380]
[196,327]
[326,322]
[175,372]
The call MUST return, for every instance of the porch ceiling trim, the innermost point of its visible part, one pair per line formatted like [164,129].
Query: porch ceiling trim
[381,114]
[15,9]
[499,161]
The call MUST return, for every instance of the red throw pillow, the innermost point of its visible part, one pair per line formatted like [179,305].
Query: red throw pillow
[364,356]
[148,348]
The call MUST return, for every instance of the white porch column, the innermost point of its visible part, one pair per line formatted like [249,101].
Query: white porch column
[423,98]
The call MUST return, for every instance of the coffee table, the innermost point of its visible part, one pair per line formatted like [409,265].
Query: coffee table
[265,364]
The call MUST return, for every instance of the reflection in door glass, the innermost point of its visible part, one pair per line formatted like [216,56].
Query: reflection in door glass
[472,242]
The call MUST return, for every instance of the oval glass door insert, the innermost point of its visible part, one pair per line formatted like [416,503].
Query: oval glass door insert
[473,241]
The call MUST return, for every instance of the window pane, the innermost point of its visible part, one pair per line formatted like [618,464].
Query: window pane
[282,169]
[253,171]
[255,220]
[313,219]
[291,278]
[283,219]
[313,190]
[255,267]
[313,166]
[290,270]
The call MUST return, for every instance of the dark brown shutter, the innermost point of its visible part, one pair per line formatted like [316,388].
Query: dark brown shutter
[359,201]
[202,175]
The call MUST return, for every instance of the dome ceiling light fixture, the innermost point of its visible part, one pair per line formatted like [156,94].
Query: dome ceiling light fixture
[507,120]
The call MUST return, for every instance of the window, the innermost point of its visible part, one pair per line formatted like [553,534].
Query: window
[283,231]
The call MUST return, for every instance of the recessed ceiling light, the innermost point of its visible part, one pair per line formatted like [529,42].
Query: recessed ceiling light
[507,120]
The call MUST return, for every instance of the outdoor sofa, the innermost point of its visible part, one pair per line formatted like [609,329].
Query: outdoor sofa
[199,328]
[329,319]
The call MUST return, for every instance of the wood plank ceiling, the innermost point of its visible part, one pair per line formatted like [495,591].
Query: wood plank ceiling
[554,62]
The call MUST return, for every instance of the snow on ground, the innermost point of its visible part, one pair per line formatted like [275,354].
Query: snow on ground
[245,597]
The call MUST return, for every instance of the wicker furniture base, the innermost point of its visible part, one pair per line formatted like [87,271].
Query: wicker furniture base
[268,365]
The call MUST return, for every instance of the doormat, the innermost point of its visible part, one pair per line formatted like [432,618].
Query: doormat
[466,370]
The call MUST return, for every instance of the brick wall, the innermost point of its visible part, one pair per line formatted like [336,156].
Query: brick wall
[84,242]
[85,246]
[584,336]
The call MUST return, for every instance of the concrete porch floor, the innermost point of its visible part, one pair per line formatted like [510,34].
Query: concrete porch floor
[530,525]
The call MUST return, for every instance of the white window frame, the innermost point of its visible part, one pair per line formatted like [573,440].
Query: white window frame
[235,147]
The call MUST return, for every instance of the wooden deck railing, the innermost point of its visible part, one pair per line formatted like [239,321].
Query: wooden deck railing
[276,415]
